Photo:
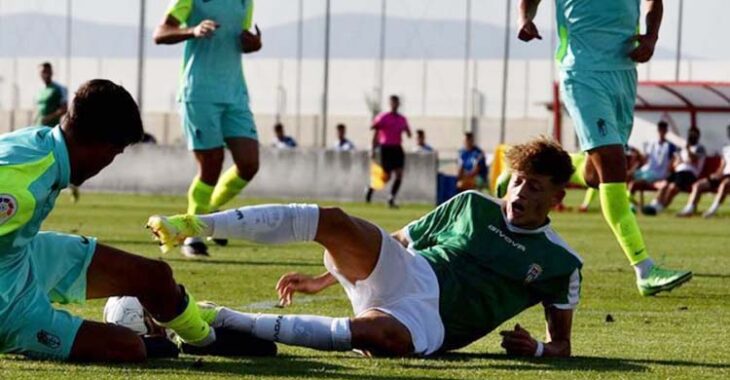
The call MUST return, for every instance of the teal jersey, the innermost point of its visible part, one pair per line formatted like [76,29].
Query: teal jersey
[48,100]
[34,168]
[212,70]
[596,34]
[488,270]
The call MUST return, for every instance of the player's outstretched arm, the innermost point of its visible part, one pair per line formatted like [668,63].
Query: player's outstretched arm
[528,31]
[170,31]
[294,282]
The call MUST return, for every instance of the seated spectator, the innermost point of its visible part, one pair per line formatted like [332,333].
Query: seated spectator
[283,141]
[343,144]
[421,146]
[689,166]
[657,160]
[472,166]
[718,182]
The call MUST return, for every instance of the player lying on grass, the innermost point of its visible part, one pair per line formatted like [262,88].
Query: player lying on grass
[37,268]
[438,284]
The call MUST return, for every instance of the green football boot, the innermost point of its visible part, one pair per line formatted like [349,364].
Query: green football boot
[662,280]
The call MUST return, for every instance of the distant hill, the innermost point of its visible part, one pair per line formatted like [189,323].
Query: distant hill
[354,36]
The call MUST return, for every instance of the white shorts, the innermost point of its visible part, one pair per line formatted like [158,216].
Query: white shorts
[402,285]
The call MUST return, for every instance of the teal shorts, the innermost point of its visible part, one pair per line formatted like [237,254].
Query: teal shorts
[51,269]
[208,125]
[601,104]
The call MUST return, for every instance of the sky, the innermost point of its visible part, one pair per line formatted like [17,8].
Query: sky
[703,19]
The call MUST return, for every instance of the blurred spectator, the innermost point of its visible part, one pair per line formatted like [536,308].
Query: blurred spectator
[718,182]
[343,144]
[657,160]
[421,146]
[389,128]
[51,101]
[687,170]
[283,141]
[472,166]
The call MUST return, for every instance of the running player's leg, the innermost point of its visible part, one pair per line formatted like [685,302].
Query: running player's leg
[239,131]
[601,104]
[202,125]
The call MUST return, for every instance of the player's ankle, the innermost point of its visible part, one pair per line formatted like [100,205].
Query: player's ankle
[643,268]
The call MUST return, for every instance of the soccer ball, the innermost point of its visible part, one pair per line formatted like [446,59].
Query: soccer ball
[127,312]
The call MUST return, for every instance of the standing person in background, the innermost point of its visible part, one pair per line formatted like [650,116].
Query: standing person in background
[51,101]
[343,144]
[600,46]
[473,168]
[421,146]
[388,128]
[214,100]
[51,105]
[282,140]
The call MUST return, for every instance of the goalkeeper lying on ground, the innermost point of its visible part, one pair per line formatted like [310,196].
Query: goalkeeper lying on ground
[438,284]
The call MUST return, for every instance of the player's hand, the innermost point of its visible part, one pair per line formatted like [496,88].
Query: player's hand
[518,342]
[528,32]
[643,52]
[293,282]
[205,29]
[251,42]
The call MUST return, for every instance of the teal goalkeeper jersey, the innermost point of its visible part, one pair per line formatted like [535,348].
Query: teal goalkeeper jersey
[212,70]
[595,34]
[34,168]
[488,270]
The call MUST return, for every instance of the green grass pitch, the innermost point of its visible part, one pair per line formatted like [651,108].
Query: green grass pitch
[684,334]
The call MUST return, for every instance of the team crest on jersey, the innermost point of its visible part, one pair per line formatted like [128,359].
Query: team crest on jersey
[533,273]
[8,207]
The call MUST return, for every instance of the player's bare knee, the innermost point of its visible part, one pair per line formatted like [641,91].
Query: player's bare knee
[156,276]
[396,342]
[334,217]
[248,170]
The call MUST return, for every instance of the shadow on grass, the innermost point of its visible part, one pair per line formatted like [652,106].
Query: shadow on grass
[712,275]
[281,366]
[246,263]
[576,363]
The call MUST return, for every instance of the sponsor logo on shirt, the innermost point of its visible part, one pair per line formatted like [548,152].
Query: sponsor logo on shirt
[601,124]
[8,207]
[533,272]
[507,239]
[47,339]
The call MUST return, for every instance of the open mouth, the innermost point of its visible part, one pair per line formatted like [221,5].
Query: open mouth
[518,208]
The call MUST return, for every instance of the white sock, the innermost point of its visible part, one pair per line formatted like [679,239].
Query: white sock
[643,268]
[266,223]
[688,209]
[321,333]
[657,206]
[713,208]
